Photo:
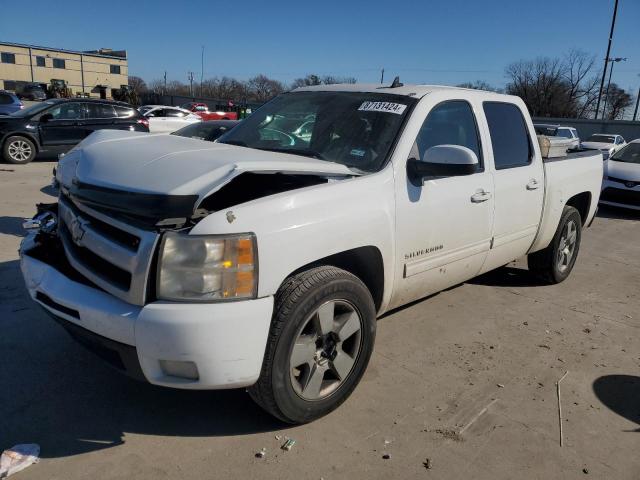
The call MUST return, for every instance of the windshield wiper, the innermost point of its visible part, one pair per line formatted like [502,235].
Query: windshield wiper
[304,152]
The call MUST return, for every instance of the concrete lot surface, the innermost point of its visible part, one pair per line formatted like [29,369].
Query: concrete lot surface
[499,342]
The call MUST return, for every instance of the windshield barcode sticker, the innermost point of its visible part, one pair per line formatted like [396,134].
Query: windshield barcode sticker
[388,107]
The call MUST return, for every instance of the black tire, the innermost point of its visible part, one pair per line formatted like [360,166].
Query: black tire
[295,303]
[18,150]
[546,264]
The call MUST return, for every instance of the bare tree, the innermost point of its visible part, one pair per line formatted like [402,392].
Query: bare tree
[262,88]
[480,85]
[137,84]
[617,101]
[313,79]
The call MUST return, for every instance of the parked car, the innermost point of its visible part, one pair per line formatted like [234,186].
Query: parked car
[57,125]
[569,133]
[621,185]
[202,110]
[256,263]
[30,91]
[9,103]
[608,144]
[165,119]
[209,131]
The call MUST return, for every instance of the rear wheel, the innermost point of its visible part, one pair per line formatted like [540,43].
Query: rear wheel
[321,339]
[18,150]
[554,263]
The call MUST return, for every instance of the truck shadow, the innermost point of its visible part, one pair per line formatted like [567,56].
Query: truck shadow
[62,397]
[621,394]
[507,277]
[605,211]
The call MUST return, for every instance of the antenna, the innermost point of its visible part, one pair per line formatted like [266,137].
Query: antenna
[396,83]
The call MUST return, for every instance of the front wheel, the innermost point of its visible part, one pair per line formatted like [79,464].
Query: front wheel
[554,263]
[18,150]
[321,339]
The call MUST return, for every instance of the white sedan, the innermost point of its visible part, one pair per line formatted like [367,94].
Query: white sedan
[607,143]
[621,183]
[164,119]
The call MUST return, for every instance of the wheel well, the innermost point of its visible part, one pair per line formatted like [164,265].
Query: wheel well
[363,262]
[20,134]
[581,202]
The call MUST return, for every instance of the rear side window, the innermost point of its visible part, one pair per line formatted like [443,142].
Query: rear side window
[175,113]
[100,110]
[449,123]
[160,112]
[564,133]
[5,99]
[509,137]
[124,112]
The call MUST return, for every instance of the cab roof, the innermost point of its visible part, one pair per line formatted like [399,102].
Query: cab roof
[409,90]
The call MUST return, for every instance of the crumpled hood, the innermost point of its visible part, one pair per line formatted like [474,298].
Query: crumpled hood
[172,165]
[622,170]
[598,145]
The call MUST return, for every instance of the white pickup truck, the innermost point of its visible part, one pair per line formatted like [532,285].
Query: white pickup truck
[263,260]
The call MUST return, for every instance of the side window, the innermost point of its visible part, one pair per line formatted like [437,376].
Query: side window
[159,112]
[99,110]
[66,111]
[564,132]
[124,112]
[175,113]
[5,99]
[509,137]
[449,123]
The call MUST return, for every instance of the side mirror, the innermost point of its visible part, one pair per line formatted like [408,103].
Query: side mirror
[46,117]
[442,161]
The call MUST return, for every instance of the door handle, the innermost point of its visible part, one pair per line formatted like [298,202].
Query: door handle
[533,184]
[480,196]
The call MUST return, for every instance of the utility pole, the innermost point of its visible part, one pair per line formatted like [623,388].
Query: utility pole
[190,76]
[606,95]
[606,58]
[201,70]
[635,112]
[164,92]
[382,76]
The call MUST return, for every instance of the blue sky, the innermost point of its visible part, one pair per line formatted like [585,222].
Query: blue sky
[443,42]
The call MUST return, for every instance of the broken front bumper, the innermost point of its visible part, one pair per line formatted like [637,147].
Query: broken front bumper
[221,343]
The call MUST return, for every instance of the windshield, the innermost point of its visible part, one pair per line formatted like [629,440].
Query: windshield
[356,129]
[601,138]
[33,109]
[628,154]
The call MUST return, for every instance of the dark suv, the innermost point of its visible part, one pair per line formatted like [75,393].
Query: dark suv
[57,125]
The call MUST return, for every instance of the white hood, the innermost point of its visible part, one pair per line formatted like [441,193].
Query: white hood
[622,170]
[169,164]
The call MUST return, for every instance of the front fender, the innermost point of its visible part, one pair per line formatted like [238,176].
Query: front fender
[298,227]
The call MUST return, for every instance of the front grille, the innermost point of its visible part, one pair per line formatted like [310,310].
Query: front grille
[113,255]
[624,182]
[618,195]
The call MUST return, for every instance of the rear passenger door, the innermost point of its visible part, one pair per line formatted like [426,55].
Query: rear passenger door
[518,183]
[98,116]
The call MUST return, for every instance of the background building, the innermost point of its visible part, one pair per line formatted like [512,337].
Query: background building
[90,73]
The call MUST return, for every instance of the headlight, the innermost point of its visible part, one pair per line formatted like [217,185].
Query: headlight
[207,267]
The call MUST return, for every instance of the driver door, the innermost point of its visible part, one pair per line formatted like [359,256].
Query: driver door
[443,226]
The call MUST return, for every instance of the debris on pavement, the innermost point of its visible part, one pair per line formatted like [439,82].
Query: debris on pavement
[278,437]
[427,464]
[585,471]
[500,385]
[262,453]
[288,445]
[18,457]
[560,404]
[386,456]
